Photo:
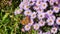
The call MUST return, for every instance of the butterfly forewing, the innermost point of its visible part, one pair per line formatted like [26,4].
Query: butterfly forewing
[25,20]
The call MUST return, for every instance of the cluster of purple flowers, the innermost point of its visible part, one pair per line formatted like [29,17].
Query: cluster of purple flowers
[40,9]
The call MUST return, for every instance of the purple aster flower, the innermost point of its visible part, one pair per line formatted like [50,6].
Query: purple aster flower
[56,9]
[49,12]
[21,5]
[27,27]
[41,15]
[51,3]
[36,26]
[26,7]
[38,3]
[33,15]
[41,23]
[27,12]
[26,2]
[18,11]
[43,5]
[40,11]
[58,21]
[53,30]
[36,7]
[50,21]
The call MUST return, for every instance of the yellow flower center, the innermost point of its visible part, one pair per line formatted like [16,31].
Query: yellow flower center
[28,12]
[50,21]
[33,15]
[41,22]
[36,26]
[56,8]
[50,12]
[27,27]
[59,20]
[40,15]
[27,6]
[43,5]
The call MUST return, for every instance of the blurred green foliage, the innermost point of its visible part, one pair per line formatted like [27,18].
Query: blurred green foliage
[9,23]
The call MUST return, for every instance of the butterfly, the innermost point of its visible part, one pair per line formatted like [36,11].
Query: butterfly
[25,20]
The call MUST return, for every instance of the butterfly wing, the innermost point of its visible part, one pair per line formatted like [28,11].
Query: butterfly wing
[25,20]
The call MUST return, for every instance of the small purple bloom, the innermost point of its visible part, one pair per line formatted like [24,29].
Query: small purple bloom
[33,15]
[21,5]
[36,26]
[27,27]
[53,30]
[18,11]
[38,3]
[58,21]
[43,5]
[40,11]
[36,7]
[41,23]
[56,9]
[50,21]
[27,12]
[26,7]
[41,15]
[49,12]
